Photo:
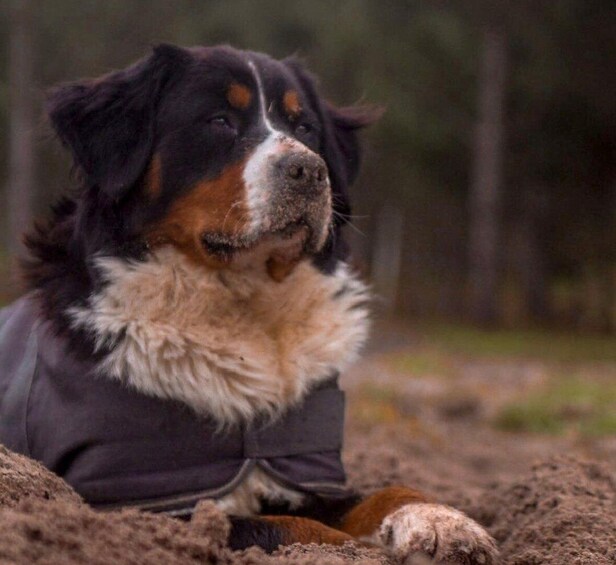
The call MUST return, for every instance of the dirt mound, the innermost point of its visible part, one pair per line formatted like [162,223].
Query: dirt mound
[44,521]
[65,533]
[562,511]
[21,478]
[559,511]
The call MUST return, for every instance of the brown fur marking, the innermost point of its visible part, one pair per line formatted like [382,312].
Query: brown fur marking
[305,530]
[364,519]
[239,96]
[215,205]
[280,270]
[290,102]
[153,178]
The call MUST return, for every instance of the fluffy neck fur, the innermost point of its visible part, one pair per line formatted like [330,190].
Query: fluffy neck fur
[231,345]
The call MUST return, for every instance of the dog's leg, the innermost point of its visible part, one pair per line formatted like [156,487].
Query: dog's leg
[269,532]
[401,520]
[405,523]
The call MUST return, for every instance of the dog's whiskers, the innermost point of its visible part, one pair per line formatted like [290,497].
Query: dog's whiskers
[346,217]
[236,203]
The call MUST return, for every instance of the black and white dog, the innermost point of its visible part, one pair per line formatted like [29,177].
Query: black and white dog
[190,308]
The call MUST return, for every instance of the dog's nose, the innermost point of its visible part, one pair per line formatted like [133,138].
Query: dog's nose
[302,171]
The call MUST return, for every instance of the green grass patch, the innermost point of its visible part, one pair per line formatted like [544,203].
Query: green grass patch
[536,344]
[425,361]
[569,405]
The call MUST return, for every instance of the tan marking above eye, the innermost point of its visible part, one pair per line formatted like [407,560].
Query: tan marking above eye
[239,95]
[290,102]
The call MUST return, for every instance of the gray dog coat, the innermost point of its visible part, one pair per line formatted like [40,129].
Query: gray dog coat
[118,447]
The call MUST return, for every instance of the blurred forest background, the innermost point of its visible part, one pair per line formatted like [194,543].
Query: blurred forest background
[489,187]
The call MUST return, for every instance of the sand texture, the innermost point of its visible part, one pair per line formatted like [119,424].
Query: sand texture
[561,511]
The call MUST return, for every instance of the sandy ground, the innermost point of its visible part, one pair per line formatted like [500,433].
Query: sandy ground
[544,499]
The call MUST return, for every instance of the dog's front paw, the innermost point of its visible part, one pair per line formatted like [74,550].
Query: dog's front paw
[438,531]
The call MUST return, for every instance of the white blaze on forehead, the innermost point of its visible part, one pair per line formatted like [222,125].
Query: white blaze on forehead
[258,167]
[262,101]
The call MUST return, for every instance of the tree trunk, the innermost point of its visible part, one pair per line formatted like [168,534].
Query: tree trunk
[531,257]
[21,178]
[487,180]
[609,270]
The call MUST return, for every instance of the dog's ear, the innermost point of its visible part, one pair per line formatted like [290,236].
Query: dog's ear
[341,150]
[108,123]
[341,145]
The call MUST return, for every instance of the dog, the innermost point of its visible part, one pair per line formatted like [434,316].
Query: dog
[190,308]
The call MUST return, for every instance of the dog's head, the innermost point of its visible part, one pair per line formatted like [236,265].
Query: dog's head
[228,155]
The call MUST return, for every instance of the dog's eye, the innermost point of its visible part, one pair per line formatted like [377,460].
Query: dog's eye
[221,121]
[303,129]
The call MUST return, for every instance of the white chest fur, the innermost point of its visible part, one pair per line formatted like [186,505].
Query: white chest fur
[246,498]
[227,344]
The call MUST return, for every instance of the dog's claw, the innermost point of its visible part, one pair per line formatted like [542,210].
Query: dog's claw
[438,531]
